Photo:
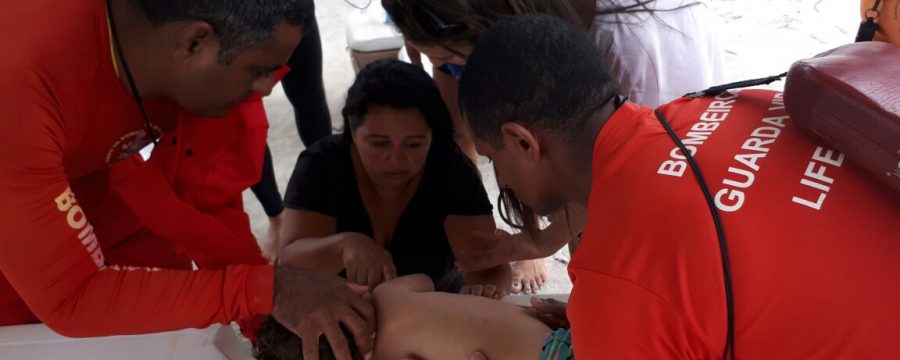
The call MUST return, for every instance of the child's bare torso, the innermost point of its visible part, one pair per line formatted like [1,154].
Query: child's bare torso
[436,326]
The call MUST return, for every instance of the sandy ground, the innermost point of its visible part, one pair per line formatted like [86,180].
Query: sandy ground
[760,38]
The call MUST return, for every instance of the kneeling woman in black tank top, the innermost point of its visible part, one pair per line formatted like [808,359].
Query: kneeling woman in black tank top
[393,195]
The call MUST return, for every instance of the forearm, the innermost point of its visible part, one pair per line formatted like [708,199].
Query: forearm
[565,225]
[168,300]
[85,301]
[320,254]
[52,257]
[545,243]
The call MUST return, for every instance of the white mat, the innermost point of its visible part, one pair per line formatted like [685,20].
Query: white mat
[39,342]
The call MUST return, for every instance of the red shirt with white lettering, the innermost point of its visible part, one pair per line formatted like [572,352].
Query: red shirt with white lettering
[814,242]
[70,248]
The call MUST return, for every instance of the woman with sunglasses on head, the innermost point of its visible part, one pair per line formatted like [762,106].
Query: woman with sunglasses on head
[392,195]
[657,50]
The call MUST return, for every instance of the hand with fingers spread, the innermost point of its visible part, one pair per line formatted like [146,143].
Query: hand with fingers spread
[366,262]
[499,247]
[311,304]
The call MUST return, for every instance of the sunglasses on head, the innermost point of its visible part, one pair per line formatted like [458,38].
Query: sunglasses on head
[433,24]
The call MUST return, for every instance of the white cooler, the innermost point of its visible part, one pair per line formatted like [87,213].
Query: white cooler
[370,37]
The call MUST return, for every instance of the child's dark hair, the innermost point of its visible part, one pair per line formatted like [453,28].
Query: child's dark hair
[275,342]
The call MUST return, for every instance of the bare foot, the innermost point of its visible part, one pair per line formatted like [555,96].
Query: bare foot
[529,276]
[272,244]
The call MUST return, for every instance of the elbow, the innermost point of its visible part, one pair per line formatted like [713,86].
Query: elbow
[70,317]
[67,325]
[72,322]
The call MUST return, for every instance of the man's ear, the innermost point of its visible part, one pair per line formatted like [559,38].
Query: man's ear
[196,42]
[519,139]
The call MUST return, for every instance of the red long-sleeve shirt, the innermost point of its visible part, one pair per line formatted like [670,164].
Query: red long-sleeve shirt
[70,248]
[813,241]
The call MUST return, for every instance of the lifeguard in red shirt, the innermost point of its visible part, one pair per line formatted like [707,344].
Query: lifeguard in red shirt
[76,254]
[812,240]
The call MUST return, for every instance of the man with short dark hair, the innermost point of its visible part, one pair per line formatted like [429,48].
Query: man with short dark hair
[85,85]
[811,240]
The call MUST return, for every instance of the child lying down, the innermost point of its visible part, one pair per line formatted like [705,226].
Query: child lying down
[414,322]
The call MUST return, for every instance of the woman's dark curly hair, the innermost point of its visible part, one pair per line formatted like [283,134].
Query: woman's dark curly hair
[398,85]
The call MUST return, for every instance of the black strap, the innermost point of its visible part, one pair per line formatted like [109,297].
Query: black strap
[716,90]
[720,233]
[868,28]
[729,352]
[131,85]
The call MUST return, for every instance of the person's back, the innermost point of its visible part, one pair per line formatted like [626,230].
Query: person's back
[415,321]
[812,240]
